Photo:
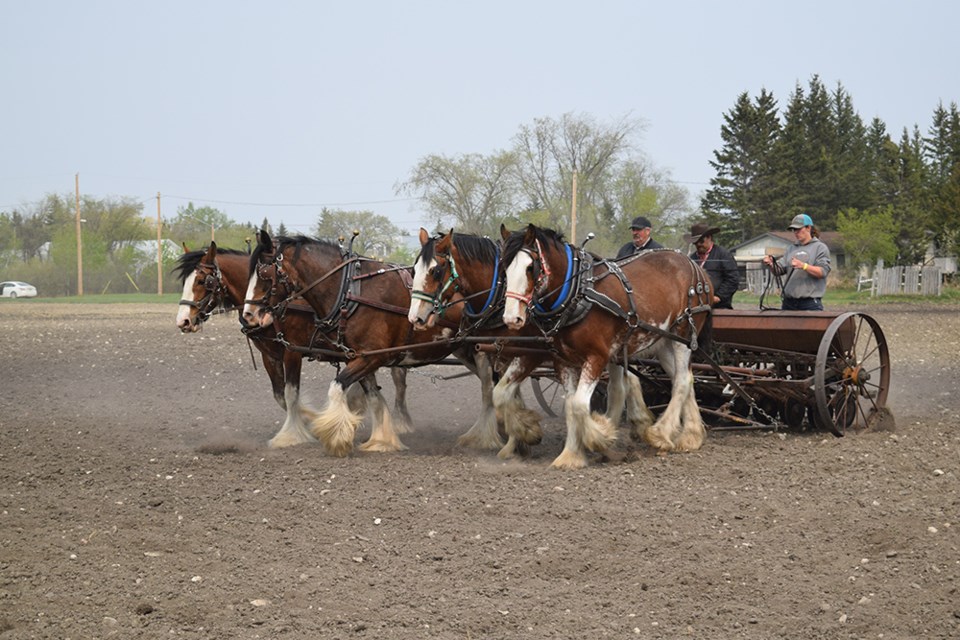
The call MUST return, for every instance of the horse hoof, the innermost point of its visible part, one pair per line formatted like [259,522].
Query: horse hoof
[569,462]
[382,447]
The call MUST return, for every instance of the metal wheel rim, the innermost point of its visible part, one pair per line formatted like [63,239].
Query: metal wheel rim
[851,384]
[546,393]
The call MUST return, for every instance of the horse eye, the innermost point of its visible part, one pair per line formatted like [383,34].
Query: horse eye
[437,272]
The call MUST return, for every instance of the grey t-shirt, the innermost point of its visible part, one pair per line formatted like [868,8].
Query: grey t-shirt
[799,283]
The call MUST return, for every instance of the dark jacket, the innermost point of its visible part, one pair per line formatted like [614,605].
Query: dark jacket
[629,249]
[722,269]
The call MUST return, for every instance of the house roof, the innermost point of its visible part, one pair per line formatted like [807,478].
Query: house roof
[833,240]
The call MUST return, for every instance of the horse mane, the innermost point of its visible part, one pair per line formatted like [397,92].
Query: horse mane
[188,262]
[298,242]
[513,244]
[475,248]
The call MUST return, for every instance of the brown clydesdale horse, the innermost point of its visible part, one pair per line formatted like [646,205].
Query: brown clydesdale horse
[215,281]
[460,273]
[361,305]
[655,304]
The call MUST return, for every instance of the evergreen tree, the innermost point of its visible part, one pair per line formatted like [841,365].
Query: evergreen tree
[851,166]
[881,163]
[911,212]
[742,196]
[942,154]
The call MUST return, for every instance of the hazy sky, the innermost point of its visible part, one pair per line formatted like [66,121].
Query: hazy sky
[277,108]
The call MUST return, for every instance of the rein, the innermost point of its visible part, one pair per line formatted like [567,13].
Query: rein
[348,300]
[453,281]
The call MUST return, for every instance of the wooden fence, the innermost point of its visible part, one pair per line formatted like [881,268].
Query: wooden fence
[891,281]
[885,281]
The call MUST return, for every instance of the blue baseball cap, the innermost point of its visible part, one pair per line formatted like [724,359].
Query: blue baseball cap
[800,221]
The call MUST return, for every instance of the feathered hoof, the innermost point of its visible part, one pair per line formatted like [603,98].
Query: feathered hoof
[513,449]
[337,437]
[528,426]
[569,461]
[482,442]
[336,425]
[402,424]
[656,440]
[381,446]
[639,435]
[689,442]
[602,436]
[290,439]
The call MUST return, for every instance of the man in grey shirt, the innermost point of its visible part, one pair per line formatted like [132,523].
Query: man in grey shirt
[806,263]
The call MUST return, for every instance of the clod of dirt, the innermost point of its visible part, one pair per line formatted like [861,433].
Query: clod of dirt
[225,446]
[882,420]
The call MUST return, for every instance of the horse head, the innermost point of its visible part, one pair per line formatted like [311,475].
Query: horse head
[263,284]
[433,275]
[290,270]
[531,258]
[204,290]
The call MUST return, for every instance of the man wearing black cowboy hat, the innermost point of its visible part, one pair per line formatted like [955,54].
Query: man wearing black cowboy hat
[717,262]
[641,230]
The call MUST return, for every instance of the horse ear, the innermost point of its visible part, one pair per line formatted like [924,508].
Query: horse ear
[264,238]
[424,236]
[445,243]
[185,249]
[530,235]
[503,231]
[212,251]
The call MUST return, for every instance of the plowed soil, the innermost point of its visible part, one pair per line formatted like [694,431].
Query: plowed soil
[138,500]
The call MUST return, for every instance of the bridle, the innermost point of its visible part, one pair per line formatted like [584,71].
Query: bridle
[216,292]
[541,275]
[282,286]
[440,298]
[436,298]
[280,289]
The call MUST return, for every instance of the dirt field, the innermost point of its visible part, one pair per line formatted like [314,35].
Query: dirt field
[138,500]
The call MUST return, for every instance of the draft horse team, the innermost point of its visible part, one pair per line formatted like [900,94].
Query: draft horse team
[508,308]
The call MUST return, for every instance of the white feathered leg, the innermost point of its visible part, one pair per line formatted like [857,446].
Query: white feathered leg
[483,434]
[294,430]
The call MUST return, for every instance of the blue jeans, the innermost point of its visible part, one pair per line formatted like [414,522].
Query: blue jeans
[802,304]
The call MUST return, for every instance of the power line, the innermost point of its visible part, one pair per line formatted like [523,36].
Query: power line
[291,204]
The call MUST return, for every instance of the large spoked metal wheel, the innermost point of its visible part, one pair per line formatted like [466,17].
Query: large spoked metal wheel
[852,374]
[549,394]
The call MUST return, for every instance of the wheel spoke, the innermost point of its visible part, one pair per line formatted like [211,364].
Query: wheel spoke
[852,372]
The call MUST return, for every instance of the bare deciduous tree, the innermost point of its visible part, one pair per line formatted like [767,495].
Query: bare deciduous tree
[472,192]
[549,151]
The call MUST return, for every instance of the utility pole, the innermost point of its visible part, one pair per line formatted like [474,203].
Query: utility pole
[79,240]
[573,212]
[159,250]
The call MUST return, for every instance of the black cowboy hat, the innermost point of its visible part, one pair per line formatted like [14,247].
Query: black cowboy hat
[699,230]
